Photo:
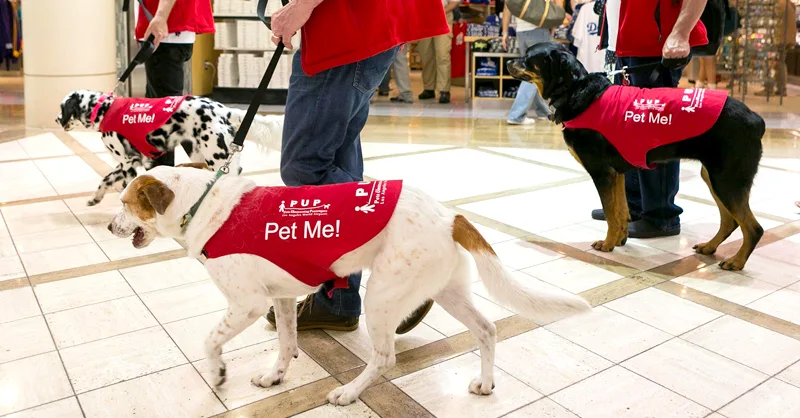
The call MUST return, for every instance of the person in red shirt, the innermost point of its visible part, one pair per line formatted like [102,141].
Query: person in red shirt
[649,30]
[174,25]
[346,49]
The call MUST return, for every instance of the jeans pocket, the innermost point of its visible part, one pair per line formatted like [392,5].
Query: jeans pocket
[370,72]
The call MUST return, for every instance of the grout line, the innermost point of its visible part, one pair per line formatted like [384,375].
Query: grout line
[514,192]
[709,202]
[483,148]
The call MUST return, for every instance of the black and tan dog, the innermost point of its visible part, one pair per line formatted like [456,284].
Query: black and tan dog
[729,149]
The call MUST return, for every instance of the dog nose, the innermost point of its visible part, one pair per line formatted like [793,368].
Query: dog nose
[109,228]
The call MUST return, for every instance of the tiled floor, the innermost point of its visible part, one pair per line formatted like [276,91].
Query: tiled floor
[91,327]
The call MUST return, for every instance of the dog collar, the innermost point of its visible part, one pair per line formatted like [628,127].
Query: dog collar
[96,109]
[193,210]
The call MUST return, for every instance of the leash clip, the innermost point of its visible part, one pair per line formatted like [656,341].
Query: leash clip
[234,148]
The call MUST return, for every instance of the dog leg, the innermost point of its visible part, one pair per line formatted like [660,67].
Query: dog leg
[611,187]
[109,180]
[726,225]
[456,299]
[286,322]
[736,202]
[236,320]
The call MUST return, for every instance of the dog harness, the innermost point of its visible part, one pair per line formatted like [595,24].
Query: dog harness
[636,120]
[135,118]
[304,230]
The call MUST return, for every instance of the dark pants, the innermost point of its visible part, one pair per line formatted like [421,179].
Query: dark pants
[164,70]
[325,114]
[651,193]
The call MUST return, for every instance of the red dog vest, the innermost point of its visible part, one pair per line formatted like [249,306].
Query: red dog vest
[134,119]
[636,120]
[304,230]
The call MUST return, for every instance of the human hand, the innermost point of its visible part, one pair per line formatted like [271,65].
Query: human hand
[289,19]
[505,42]
[676,46]
[157,28]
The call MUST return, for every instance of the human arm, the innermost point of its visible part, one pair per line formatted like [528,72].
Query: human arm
[506,22]
[677,44]
[158,26]
[451,6]
[289,19]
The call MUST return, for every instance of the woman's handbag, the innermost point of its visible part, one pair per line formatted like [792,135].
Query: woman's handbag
[544,14]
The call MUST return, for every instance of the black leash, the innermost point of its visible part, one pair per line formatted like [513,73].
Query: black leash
[654,68]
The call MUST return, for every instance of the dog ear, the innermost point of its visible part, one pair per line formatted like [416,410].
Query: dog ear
[71,108]
[158,195]
[200,166]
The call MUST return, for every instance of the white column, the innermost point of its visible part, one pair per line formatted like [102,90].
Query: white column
[68,45]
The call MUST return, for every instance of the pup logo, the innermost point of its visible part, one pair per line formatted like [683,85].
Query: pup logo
[376,195]
[693,99]
[303,207]
[140,107]
[170,102]
[649,104]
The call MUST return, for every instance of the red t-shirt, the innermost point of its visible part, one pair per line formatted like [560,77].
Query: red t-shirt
[186,16]
[342,32]
[135,118]
[304,230]
[636,120]
[644,26]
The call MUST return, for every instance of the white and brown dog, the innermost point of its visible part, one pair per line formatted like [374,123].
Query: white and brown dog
[254,238]
[136,131]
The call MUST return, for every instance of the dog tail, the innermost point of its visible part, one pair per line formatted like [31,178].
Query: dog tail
[540,305]
[266,130]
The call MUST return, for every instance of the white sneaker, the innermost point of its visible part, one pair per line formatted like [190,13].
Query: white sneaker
[699,85]
[525,122]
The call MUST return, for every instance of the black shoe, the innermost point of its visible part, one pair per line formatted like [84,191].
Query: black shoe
[598,215]
[383,93]
[310,316]
[427,94]
[444,97]
[400,100]
[646,229]
[414,318]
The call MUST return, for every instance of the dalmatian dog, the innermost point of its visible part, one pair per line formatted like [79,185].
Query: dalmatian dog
[137,131]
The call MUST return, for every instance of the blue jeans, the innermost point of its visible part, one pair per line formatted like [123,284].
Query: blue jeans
[325,114]
[528,94]
[651,193]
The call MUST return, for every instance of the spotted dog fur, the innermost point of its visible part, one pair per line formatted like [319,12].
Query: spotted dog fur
[203,127]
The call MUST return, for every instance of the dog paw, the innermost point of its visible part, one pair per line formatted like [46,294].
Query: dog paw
[270,379]
[342,396]
[92,202]
[603,246]
[705,248]
[481,386]
[732,264]
[220,378]
[623,240]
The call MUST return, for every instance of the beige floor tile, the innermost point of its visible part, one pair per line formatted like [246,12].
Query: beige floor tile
[98,321]
[176,392]
[619,393]
[65,408]
[785,250]
[696,373]
[638,255]
[782,304]
[99,232]
[444,390]
[756,347]
[23,180]
[122,248]
[243,364]
[443,322]
[24,338]
[31,382]
[49,240]
[7,247]
[380,149]
[10,151]
[558,157]
[493,236]
[11,268]
[520,254]
[609,334]
[69,174]
[81,291]
[185,301]
[100,214]
[113,360]
[733,287]
[542,408]
[17,304]
[448,175]
[356,410]
[110,201]
[664,311]
[107,158]
[44,145]
[44,217]
[33,210]
[3,230]
[551,362]
[165,274]
[253,159]
[359,343]
[190,334]
[572,275]
[773,399]
[791,374]
[267,180]
[92,141]
[63,258]
[580,236]
[772,271]
[795,287]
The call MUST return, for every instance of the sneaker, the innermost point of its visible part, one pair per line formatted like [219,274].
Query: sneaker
[310,316]
[383,93]
[401,99]
[765,92]
[699,85]
[444,97]
[524,122]
[646,229]
[415,318]
[427,94]
[598,215]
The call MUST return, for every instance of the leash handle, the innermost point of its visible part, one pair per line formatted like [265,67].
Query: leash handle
[142,56]
[258,96]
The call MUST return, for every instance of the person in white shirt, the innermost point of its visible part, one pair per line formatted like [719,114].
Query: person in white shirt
[586,36]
